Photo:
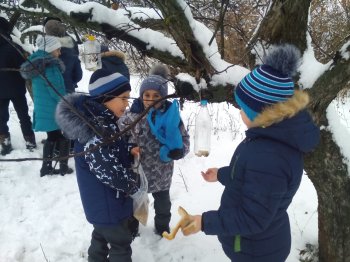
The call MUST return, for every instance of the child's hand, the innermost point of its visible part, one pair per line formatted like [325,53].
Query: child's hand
[194,225]
[135,151]
[211,175]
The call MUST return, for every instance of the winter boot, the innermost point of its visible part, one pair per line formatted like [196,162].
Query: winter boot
[46,168]
[30,142]
[5,144]
[64,148]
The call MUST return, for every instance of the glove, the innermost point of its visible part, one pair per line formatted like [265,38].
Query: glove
[193,226]
[176,154]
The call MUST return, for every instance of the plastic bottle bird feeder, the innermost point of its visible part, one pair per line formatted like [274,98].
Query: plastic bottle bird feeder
[203,128]
[92,53]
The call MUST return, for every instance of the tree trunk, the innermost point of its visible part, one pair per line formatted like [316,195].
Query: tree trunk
[328,172]
[285,22]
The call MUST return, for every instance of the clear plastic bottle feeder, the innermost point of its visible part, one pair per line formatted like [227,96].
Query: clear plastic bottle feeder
[202,132]
[92,54]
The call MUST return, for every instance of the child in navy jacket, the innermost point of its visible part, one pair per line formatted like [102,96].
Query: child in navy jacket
[104,174]
[266,169]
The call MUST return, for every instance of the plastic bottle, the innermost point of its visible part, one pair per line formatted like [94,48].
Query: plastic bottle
[202,134]
[92,54]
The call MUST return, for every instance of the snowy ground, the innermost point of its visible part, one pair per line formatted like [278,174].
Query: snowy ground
[41,219]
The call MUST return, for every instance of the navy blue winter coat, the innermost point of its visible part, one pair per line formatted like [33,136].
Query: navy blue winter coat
[70,57]
[12,84]
[104,176]
[264,174]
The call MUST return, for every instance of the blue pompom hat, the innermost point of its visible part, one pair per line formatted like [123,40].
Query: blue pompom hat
[269,83]
[105,85]
[157,80]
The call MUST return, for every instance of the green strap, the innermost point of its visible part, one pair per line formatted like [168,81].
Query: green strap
[237,244]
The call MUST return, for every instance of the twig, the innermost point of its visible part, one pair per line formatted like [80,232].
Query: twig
[105,141]
[42,250]
[183,179]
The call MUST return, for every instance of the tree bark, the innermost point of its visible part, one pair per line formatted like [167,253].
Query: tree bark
[285,22]
[328,172]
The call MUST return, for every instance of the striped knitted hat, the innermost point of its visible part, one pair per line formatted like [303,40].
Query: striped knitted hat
[269,83]
[105,85]
[48,43]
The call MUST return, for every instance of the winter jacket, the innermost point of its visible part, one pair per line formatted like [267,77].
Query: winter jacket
[12,84]
[104,176]
[45,98]
[158,173]
[70,57]
[114,62]
[263,176]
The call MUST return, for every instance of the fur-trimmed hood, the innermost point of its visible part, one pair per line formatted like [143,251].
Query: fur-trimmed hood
[75,127]
[37,64]
[115,53]
[287,123]
[277,112]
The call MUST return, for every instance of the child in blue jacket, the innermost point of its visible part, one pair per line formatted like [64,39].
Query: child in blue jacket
[265,172]
[104,174]
[45,62]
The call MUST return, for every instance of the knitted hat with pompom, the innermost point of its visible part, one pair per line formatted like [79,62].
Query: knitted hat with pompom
[48,43]
[269,83]
[105,85]
[157,80]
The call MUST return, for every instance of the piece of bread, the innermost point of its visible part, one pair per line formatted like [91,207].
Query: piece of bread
[184,221]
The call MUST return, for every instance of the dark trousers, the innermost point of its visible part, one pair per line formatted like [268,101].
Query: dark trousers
[21,107]
[119,239]
[55,136]
[162,206]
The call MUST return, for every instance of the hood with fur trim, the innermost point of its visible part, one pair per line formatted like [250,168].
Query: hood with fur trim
[37,64]
[76,128]
[277,112]
[288,123]
[115,53]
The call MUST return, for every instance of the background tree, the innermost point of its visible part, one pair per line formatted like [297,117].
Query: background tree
[244,30]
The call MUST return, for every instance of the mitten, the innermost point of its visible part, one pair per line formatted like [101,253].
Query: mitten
[176,154]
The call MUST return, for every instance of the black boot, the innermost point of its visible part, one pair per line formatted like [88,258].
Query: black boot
[64,148]
[5,144]
[30,142]
[46,168]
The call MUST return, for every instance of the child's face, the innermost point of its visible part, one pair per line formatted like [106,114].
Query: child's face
[56,53]
[245,119]
[118,104]
[149,96]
